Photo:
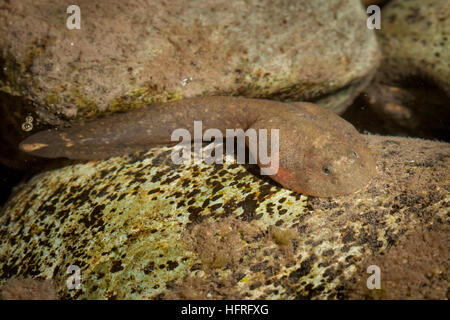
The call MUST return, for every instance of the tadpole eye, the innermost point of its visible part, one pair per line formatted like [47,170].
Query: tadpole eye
[326,169]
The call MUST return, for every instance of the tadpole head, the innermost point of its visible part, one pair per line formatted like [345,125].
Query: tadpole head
[331,166]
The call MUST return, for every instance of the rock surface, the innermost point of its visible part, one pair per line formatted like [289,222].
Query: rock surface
[140,227]
[414,37]
[417,267]
[28,289]
[130,53]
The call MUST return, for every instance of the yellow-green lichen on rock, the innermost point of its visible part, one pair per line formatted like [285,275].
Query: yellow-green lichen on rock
[141,227]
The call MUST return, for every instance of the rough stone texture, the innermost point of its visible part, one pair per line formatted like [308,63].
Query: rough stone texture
[414,37]
[28,289]
[130,53]
[416,268]
[141,227]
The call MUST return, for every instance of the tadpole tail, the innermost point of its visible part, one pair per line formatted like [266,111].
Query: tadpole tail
[61,144]
[80,143]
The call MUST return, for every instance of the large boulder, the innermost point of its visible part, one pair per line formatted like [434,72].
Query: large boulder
[129,54]
[414,37]
[140,227]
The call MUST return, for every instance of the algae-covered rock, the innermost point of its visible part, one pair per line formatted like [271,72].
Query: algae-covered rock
[141,227]
[415,41]
[127,54]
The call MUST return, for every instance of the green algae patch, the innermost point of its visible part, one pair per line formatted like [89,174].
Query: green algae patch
[142,97]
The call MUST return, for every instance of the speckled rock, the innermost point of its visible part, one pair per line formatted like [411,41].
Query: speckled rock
[141,227]
[414,37]
[130,53]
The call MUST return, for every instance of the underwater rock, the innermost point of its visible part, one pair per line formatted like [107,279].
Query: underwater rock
[128,54]
[28,289]
[414,37]
[141,227]
[417,267]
